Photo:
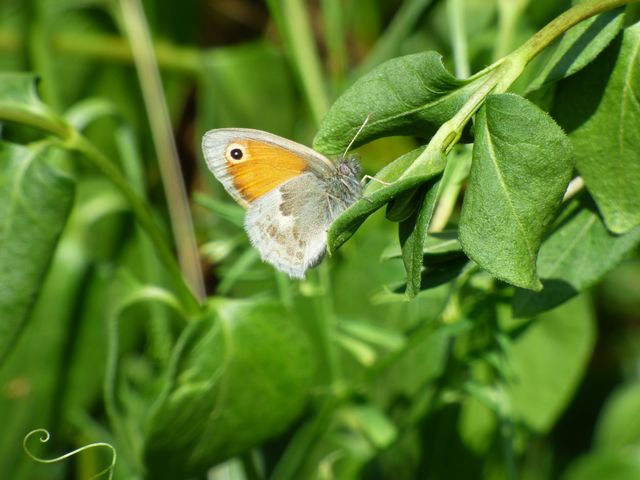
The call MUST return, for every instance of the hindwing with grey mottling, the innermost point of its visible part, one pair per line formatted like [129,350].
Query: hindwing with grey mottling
[288,225]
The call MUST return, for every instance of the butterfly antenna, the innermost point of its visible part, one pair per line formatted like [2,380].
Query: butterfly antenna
[366,120]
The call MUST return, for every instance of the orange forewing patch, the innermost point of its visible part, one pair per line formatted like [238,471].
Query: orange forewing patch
[263,167]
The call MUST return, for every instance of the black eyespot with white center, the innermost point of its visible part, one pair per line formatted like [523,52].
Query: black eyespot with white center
[236,153]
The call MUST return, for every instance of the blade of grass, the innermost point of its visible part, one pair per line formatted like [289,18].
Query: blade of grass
[295,27]
[137,32]
[388,45]
[335,39]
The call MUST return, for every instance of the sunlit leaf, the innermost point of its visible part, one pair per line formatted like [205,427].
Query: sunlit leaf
[413,235]
[522,164]
[600,108]
[410,95]
[579,46]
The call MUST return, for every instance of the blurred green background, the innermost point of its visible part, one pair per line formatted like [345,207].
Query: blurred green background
[433,388]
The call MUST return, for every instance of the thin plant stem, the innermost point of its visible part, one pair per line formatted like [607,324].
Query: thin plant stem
[509,12]
[139,38]
[335,38]
[141,211]
[455,172]
[110,48]
[517,60]
[453,177]
[295,27]
[40,53]
[160,336]
[506,435]
[389,43]
[455,16]
[327,327]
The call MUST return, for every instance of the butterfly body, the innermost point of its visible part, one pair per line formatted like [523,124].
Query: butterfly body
[292,193]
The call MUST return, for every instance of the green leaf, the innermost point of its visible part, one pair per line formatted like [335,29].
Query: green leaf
[413,235]
[19,102]
[621,465]
[35,200]
[600,108]
[521,167]
[577,254]
[377,194]
[548,360]
[579,46]
[410,95]
[619,424]
[239,377]
[37,365]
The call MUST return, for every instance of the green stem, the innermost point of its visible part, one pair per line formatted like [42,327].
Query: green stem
[509,12]
[98,46]
[251,470]
[158,113]
[335,38]
[562,23]
[453,177]
[48,123]
[295,27]
[389,43]
[327,329]
[499,76]
[140,209]
[42,61]
[506,434]
[161,339]
[455,16]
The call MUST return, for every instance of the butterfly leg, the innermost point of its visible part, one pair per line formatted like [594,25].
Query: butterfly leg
[377,180]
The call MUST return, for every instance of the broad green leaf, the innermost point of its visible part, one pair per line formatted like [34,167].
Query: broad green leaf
[548,360]
[37,366]
[35,200]
[619,424]
[410,95]
[600,108]
[579,46]
[413,235]
[239,377]
[521,167]
[577,254]
[620,465]
[377,194]
[19,102]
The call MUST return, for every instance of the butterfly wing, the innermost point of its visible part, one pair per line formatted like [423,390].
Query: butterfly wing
[288,225]
[251,163]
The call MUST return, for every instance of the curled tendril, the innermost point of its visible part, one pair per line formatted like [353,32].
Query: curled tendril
[44,438]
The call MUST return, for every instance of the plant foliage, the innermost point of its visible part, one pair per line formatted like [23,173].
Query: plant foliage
[459,335]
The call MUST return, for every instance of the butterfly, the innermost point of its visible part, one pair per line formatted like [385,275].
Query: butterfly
[292,193]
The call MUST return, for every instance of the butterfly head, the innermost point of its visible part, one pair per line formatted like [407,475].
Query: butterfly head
[349,167]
